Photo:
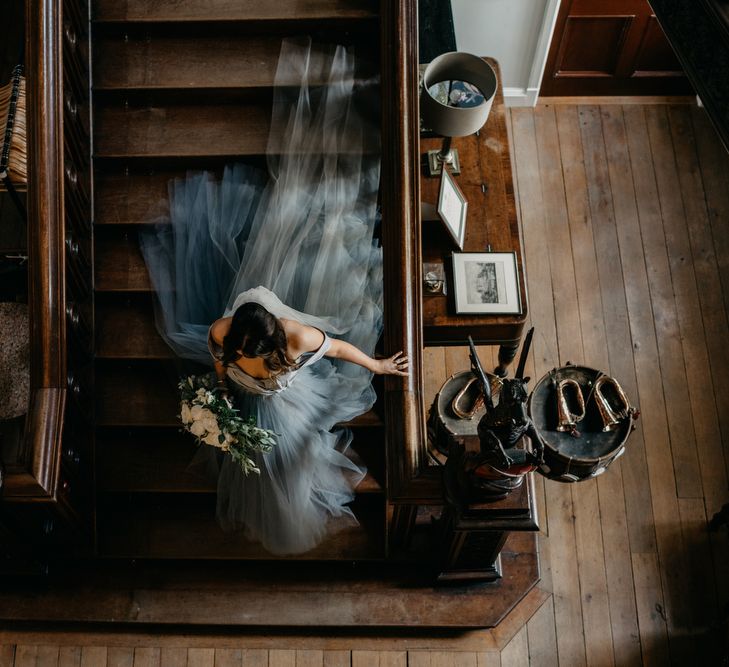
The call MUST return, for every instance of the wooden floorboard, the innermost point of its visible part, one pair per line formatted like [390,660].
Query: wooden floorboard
[625,220]
[705,263]
[662,481]
[606,585]
[667,331]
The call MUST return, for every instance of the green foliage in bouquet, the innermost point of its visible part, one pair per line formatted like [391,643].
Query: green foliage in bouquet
[211,418]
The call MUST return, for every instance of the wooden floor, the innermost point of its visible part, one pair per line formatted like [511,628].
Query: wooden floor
[625,220]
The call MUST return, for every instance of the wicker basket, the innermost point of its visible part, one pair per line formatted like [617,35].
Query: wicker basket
[13,151]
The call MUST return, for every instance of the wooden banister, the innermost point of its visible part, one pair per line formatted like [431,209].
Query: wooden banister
[35,473]
[44,488]
[409,478]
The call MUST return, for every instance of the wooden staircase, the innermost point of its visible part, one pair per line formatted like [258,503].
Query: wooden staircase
[180,86]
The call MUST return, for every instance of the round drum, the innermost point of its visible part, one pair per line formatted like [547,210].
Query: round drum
[570,458]
[444,424]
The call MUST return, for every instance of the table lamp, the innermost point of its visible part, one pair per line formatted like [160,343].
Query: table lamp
[455,101]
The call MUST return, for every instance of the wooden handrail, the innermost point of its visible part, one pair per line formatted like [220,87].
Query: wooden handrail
[35,473]
[409,477]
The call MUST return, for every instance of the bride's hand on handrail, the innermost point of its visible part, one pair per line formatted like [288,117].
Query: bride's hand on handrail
[397,364]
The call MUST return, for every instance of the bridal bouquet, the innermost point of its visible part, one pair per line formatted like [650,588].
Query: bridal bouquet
[209,416]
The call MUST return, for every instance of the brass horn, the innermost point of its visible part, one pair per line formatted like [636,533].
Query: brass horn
[566,418]
[468,411]
[613,405]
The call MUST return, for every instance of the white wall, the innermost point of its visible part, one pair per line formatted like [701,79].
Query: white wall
[515,32]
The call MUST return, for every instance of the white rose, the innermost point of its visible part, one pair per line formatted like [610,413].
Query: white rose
[197,411]
[212,438]
[210,423]
[197,429]
[185,413]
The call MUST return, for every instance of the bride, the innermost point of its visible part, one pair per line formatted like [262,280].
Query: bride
[293,266]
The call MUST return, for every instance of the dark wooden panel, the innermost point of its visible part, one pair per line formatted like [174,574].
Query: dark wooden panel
[610,47]
[699,33]
[208,130]
[655,55]
[231,10]
[157,462]
[591,45]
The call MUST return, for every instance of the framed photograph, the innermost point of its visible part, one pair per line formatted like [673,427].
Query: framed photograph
[452,208]
[486,283]
[434,281]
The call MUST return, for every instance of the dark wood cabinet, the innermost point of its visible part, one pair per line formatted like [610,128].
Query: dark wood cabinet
[614,47]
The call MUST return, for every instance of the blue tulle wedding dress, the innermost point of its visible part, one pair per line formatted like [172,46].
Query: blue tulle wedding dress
[298,240]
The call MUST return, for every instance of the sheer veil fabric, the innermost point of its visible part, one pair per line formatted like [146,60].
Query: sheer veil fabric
[298,240]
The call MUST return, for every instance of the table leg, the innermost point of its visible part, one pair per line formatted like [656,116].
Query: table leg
[506,356]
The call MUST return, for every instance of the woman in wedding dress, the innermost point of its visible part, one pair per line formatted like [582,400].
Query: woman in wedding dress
[292,266]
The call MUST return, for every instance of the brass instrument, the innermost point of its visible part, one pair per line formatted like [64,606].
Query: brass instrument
[613,405]
[471,390]
[567,419]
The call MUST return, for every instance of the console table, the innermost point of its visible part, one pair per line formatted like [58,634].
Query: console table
[486,180]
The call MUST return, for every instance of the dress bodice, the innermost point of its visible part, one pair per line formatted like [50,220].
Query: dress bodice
[271,385]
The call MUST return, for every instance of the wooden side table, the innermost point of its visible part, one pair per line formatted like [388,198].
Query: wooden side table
[486,180]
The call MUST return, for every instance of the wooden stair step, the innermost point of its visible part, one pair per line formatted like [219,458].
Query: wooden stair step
[164,62]
[182,131]
[201,131]
[134,198]
[145,394]
[231,10]
[125,329]
[156,461]
[179,526]
[180,62]
[118,262]
[139,197]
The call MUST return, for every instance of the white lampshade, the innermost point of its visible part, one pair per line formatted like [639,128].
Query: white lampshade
[451,121]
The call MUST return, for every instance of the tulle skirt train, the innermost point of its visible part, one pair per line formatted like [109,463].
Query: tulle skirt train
[305,231]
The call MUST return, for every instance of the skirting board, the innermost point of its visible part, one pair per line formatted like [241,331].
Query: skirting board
[520,97]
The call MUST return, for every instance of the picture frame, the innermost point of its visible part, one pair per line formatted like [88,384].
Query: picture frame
[452,208]
[434,279]
[486,283]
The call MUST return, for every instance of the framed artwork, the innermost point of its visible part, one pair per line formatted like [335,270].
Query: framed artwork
[434,281]
[452,207]
[486,283]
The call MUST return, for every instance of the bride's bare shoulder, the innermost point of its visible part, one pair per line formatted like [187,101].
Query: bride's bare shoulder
[301,337]
[219,329]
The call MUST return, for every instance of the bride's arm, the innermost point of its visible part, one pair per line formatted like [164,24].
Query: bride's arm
[303,338]
[397,364]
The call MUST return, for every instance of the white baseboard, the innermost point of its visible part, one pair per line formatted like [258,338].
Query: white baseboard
[520,97]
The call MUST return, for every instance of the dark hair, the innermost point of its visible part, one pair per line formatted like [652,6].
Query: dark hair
[257,333]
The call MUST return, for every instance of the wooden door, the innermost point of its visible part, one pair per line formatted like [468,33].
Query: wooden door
[611,47]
